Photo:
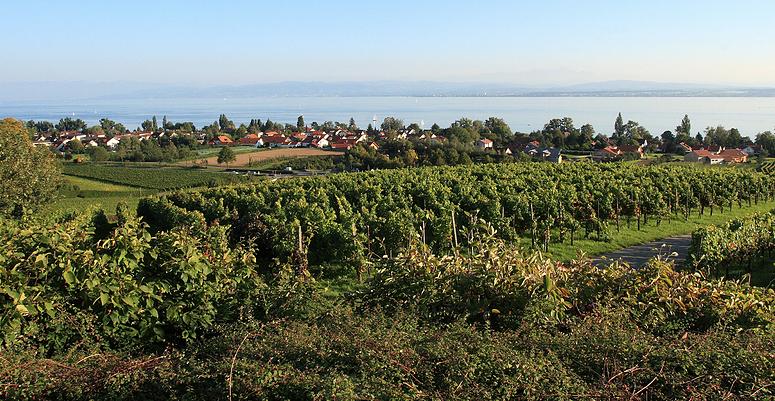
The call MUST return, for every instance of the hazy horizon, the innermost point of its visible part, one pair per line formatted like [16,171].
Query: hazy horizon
[558,42]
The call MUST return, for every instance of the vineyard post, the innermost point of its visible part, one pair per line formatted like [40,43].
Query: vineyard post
[599,220]
[454,230]
[532,227]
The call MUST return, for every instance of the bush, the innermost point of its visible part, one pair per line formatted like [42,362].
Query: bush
[117,283]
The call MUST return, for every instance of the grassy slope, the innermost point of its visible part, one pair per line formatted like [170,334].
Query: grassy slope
[629,237]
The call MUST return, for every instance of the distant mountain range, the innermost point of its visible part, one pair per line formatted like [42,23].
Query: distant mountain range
[59,91]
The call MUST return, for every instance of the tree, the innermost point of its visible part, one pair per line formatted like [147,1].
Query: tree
[634,134]
[111,128]
[300,124]
[720,136]
[69,124]
[40,126]
[685,127]
[586,136]
[226,155]
[500,130]
[668,142]
[766,140]
[352,126]
[619,126]
[392,125]
[154,126]
[29,175]
[225,124]
[98,154]
[75,146]
[147,125]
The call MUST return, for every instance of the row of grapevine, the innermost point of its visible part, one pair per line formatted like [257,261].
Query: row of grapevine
[347,217]
[737,244]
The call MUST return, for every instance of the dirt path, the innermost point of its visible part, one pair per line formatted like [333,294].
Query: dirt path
[638,255]
[244,158]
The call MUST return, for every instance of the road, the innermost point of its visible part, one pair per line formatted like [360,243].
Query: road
[638,255]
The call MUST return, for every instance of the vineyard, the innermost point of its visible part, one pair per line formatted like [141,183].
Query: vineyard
[739,244]
[349,217]
[767,167]
[159,178]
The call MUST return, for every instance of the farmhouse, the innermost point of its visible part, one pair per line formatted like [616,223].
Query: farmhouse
[636,150]
[697,156]
[608,153]
[221,140]
[250,139]
[484,143]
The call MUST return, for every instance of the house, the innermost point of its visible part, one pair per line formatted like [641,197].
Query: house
[484,143]
[606,154]
[752,150]
[684,147]
[636,150]
[697,156]
[727,156]
[320,142]
[552,155]
[343,143]
[250,139]
[112,143]
[733,156]
[221,140]
[713,159]
[61,144]
[276,141]
[532,148]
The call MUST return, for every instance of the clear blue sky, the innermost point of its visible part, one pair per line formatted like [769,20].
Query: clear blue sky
[550,41]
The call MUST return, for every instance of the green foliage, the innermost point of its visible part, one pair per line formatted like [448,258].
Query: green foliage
[736,244]
[378,213]
[502,289]
[226,155]
[147,177]
[118,283]
[29,176]
[489,323]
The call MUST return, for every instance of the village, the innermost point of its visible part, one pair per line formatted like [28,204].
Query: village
[340,139]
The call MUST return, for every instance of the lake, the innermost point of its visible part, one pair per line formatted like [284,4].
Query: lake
[524,114]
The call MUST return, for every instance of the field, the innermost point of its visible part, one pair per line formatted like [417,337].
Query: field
[151,177]
[244,159]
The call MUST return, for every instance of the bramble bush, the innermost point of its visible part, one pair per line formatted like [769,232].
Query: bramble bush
[125,285]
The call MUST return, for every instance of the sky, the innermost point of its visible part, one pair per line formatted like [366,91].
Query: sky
[242,42]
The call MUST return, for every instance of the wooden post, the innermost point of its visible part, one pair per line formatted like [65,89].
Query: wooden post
[454,230]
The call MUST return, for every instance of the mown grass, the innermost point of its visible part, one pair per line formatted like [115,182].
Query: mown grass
[627,237]
[78,193]
[150,177]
